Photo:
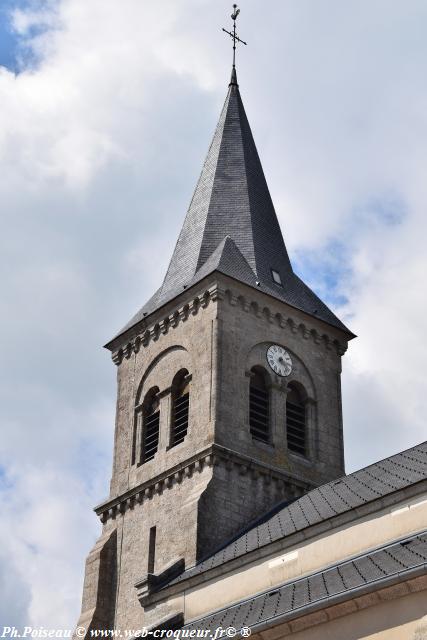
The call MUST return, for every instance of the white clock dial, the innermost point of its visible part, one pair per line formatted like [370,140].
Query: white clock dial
[279,360]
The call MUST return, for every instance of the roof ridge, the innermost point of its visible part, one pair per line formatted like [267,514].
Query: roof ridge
[393,455]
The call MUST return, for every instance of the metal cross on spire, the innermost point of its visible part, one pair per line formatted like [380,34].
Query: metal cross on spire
[233,33]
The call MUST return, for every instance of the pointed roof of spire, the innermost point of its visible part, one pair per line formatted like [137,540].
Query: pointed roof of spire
[231,225]
[233,79]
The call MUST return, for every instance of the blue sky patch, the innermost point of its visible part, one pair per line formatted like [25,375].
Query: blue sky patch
[6,482]
[325,271]
[388,209]
[328,269]
[15,54]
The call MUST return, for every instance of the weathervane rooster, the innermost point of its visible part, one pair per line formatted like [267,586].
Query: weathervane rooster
[233,33]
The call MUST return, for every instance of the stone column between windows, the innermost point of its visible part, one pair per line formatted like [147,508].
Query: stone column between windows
[138,425]
[311,430]
[165,405]
[278,393]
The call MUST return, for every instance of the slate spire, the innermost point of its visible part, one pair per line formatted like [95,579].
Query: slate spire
[231,199]
[231,225]
[233,79]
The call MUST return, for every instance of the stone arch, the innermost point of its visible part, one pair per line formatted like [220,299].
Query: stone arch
[299,374]
[181,355]
[300,389]
[157,379]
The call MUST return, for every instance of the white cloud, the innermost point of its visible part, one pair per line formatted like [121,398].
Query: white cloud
[101,142]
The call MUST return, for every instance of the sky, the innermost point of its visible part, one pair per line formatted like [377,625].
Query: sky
[107,109]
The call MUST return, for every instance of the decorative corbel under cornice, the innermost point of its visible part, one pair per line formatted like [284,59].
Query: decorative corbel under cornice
[212,456]
[213,294]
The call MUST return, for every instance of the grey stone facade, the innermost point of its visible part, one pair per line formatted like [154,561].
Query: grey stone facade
[203,491]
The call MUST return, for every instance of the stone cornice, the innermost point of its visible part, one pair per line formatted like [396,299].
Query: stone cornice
[284,321]
[200,301]
[211,456]
[155,330]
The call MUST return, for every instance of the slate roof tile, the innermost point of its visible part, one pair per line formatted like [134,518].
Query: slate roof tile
[366,570]
[334,582]
[320,504]
[318,588]
[350,577]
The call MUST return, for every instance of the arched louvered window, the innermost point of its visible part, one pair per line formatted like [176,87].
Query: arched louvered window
[150,425]
[180,407]
[296,421]
[259,405]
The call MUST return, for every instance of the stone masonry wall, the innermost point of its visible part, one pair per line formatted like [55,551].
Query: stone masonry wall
[189,345]
[203,491]
[247,327]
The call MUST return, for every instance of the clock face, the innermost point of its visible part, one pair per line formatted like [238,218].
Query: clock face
[279,360]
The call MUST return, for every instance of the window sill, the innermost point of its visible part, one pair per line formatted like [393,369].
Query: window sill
[145,462]
[263,445]
[174,446]
[298,457]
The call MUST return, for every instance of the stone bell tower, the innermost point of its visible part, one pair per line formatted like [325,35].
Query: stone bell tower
[228,389]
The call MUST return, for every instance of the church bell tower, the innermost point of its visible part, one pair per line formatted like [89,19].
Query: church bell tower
[228,389]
